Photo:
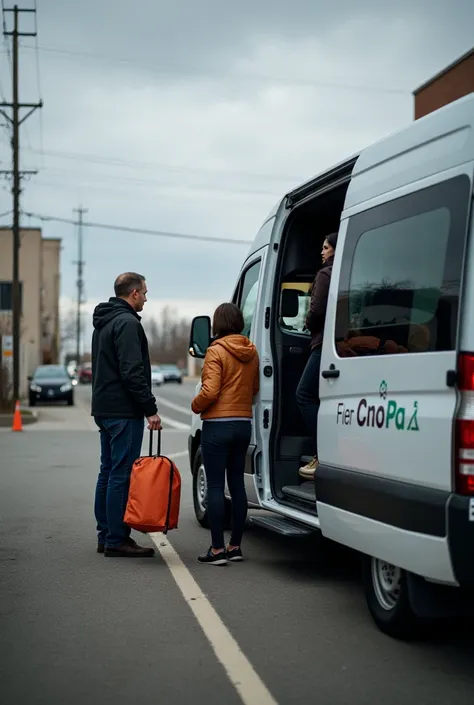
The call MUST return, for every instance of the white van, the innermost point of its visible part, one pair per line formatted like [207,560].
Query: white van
[395,479]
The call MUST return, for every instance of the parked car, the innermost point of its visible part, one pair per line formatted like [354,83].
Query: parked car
[85,373]
[51,383]
[157,377]
[171,373]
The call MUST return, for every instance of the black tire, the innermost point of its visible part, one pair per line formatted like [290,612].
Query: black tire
[70,401]
[398,621]
[199,511]
[32,402]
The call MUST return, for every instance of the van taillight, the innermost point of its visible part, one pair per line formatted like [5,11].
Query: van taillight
[466,372]
[465,427]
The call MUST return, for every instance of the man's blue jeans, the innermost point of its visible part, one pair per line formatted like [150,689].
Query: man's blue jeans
[120,445]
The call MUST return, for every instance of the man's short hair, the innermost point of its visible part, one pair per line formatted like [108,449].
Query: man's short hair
[127,282]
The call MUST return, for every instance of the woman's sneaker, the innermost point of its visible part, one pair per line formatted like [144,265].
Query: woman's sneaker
[235,555]
[213,558]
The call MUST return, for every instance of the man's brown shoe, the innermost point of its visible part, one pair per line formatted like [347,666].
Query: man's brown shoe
[128,550]
[101,546]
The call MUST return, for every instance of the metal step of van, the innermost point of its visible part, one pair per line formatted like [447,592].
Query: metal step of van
[282,526]
[302,493]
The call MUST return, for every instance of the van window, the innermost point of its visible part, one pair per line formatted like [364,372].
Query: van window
[401,273]
[247,297]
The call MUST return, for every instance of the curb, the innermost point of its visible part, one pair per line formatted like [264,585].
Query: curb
[31,417]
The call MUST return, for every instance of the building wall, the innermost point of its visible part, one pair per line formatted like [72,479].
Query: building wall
[30,277]
[455,83]
[39,276]
[50,300]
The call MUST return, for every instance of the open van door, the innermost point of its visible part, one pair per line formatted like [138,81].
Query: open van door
[253,294]
[255,301]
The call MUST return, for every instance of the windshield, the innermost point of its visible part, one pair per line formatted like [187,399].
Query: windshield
[51,371]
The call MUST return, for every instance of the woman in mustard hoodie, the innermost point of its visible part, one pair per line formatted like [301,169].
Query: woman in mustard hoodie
[229,383]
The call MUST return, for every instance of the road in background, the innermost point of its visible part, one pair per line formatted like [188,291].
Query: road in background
[76,627]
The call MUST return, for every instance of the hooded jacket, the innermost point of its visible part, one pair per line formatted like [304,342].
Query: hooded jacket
[229,379]
[121,371]
[316,316]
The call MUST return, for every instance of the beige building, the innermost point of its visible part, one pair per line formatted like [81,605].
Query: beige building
[39,286]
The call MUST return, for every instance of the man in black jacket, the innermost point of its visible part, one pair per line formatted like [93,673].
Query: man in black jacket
[121,399]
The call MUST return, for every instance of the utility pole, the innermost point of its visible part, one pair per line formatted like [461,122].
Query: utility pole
[80,280]
[16,121]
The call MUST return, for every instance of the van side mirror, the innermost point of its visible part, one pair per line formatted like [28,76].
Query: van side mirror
[200,338]
[29,378]
[290,305]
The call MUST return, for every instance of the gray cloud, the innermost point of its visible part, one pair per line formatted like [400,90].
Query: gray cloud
[197,116]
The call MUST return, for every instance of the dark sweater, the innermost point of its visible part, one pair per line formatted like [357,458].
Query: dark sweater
[121,371]
[319,301]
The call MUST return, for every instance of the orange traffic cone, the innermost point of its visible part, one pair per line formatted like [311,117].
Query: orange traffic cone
[17,422]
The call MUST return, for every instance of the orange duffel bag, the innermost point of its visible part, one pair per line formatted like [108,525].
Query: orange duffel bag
[155,493]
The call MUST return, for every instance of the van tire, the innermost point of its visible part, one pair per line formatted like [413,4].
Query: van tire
[199,495]
[398,619]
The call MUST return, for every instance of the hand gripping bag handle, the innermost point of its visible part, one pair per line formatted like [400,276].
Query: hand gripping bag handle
[150,447]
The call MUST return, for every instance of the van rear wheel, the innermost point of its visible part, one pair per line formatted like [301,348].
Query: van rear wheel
[200,494]
[388,600]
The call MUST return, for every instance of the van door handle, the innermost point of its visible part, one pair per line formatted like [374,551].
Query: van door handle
[332,373]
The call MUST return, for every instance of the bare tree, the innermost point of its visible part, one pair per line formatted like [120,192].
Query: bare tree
[168,337]
[68,329]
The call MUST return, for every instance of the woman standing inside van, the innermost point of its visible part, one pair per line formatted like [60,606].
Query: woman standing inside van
[307,393]
[229,383]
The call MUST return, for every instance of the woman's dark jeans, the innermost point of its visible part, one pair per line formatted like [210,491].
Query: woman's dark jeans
[224,447]
[307,394]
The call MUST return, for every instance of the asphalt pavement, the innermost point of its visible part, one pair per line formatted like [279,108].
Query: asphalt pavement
[77,628]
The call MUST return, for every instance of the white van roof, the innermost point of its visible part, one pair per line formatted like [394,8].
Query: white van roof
[441,140]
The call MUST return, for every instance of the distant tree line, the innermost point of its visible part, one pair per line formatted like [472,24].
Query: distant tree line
[168,338]
[167,333]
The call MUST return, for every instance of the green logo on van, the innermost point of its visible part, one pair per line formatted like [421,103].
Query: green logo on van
[387,414]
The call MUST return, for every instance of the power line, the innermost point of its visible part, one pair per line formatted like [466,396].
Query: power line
[93,179]
[137,230]
[116,161]
[108,184]
[295,81]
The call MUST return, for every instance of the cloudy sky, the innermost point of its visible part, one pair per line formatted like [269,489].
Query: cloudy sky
[195,116]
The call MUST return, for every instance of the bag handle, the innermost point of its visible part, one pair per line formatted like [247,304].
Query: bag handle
[150,447]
